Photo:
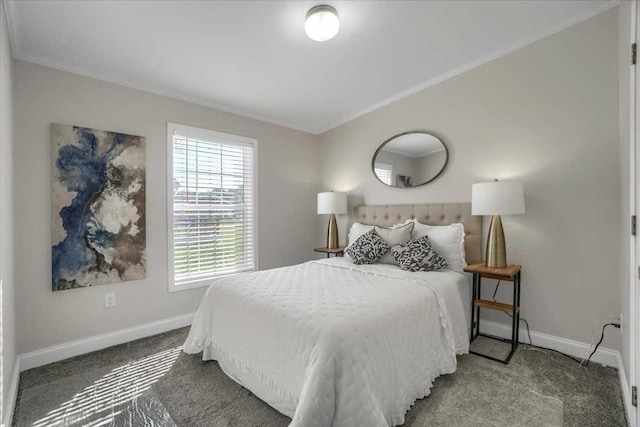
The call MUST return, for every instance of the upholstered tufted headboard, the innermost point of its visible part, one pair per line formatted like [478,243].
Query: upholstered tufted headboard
[431,214]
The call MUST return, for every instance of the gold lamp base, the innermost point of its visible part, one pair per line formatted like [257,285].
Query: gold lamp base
[496,249]
[333,242]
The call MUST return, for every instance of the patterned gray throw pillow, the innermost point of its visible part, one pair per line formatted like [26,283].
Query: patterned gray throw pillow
[368,248]
[418,255]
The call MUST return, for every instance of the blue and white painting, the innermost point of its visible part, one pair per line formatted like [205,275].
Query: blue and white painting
[98,207]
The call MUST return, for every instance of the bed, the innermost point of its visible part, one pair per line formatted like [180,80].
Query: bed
[331,343]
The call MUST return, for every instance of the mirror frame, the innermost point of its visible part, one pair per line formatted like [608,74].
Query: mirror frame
[375,155]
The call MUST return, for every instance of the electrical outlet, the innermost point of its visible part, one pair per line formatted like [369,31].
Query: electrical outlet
[109,300]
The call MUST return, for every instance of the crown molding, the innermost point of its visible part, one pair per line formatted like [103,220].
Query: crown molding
[14,31]
[162,92]
[14,26]
[477,63]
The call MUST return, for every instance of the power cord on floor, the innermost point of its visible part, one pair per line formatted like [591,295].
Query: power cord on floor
[510,315]
[617,325]
[599,322]
[529,333]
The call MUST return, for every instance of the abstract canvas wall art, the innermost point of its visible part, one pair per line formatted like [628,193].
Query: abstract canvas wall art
[98,207]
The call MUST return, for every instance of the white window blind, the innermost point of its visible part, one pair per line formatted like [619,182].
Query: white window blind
[383,172]
[212,209]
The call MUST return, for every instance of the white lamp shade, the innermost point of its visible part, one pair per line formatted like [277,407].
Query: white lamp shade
[497,198]
[332,203]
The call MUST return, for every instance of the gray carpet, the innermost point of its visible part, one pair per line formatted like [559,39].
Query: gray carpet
[150,382]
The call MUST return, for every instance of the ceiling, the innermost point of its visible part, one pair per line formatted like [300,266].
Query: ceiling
[414,145]
[254,58]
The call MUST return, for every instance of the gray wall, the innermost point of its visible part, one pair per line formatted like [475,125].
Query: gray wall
[428,166]
[6,212]
[624,83]
[402,165]
[288,175]
[547,115]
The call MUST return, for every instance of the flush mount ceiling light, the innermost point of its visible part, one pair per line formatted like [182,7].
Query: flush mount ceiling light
[322,23]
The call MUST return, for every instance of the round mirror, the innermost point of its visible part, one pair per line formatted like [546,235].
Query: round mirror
[410,159]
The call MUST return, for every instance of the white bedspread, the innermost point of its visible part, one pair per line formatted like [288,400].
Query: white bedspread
[330,343]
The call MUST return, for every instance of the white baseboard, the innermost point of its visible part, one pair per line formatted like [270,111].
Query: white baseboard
[98,342]
[574,348]
[626,393]
[13,394]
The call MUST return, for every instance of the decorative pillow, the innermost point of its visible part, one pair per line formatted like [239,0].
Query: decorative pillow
[418,255]
[368,248]
[447,240]
[394,236]
[357,229]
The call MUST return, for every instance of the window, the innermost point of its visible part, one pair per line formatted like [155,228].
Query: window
[383,172]
[211,206]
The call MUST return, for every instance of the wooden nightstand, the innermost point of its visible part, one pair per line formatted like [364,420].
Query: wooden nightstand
[335,252]
[510,273]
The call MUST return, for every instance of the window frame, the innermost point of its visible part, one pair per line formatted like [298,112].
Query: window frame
[386,166]
[222,138]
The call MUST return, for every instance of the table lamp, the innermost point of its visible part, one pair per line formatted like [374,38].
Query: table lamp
[497,198]
[332,203]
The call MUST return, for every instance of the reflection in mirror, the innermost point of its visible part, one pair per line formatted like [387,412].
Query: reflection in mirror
[410,159]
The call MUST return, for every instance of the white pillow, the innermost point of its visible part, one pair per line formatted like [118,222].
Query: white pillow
[394,235]
[358,230]
[446,240]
